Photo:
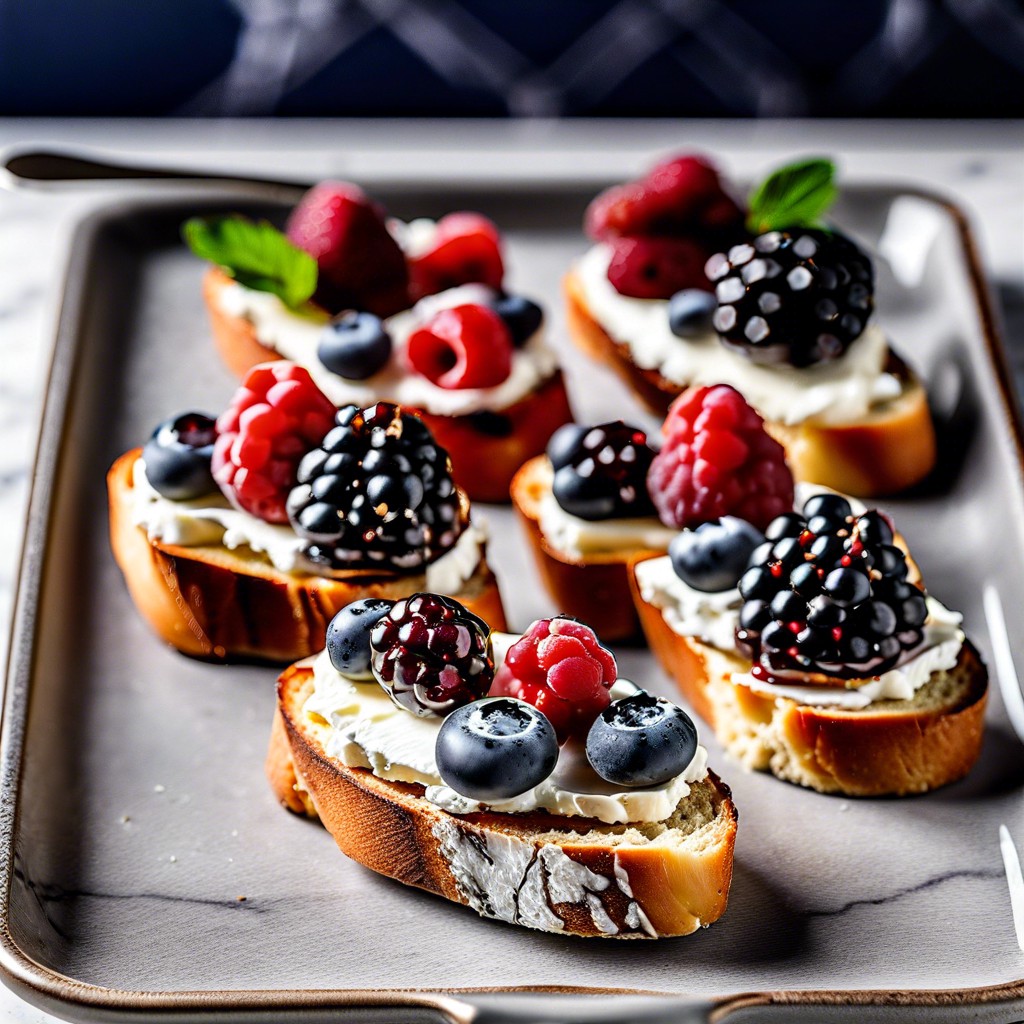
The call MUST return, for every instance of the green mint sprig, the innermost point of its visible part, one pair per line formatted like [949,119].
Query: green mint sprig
[255,254]
[794,196]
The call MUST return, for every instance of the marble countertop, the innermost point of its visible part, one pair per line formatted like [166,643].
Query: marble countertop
[981,164]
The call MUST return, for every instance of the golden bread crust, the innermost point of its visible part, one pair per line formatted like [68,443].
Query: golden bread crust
[486,448]
[214,603]
[390,828]
[892,748]
[594,590]
[889,450]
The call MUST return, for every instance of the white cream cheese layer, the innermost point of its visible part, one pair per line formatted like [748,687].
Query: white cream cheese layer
[295,336]
[841,390]
[577,537]
[362,728]
[214,520]
[712,618]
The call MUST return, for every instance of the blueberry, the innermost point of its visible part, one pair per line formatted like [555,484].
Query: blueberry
[348,636]
[564,444]
[177,457]
[690,312]
[713,557]
[495,749]
[641,740]
[354,346]
[522,317]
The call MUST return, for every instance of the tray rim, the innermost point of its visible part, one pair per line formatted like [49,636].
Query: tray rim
[59,993]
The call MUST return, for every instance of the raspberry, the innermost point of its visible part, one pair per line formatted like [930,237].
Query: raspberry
[718,460]
[360,264]
[656,268]
[462,347]
[431,655]
[275,417]
[827,594]
[559,667]
[681,198]
[466,248]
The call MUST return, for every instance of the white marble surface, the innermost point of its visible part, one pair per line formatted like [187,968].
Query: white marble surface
[980,164]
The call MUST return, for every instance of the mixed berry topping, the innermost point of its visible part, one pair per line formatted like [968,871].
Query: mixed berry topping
[376,491]
[641,740]
[465,346]
[713,557]
[827,594]
[355,346]
[522,317]
[601,471]
[799,297]
[559,667]
[348,636]
[656,268]
[360,264]
[275,417]
[495,749]
[466,248]
[663,227]
[690,312]
[177,456]
[431,655]
[718,460]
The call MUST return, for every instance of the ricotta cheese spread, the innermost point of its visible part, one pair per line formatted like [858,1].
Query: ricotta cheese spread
[838,391]
[214,520]
[295,336]
[362,728]
[578,538]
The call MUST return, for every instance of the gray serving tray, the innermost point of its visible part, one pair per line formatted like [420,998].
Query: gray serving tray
[146,871]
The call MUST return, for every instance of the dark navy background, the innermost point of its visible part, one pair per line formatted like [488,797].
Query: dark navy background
[921,58]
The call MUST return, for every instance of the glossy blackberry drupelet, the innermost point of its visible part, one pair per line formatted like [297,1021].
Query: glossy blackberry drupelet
[431,655]
[799,297]
[601,471]
[495,749]
[827,593]
[377,492]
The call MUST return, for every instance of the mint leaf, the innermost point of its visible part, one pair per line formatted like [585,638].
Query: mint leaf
[795,196]
[255,254]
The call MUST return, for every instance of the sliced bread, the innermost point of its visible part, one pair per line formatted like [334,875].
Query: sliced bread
[558,874]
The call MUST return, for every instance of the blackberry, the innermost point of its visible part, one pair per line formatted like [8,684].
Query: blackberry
[828,594]
[601,472]
[801,296]
[378,491]
[431,655]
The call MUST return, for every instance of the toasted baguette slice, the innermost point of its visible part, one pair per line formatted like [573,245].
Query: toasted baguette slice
[627,881]
[216,603]
[886,451]
[891,748]
[486,448]
[594,590]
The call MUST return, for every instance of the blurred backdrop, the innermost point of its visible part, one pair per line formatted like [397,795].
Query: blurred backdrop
[768,58]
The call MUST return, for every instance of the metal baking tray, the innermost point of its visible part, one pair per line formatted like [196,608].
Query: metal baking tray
[146,871]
